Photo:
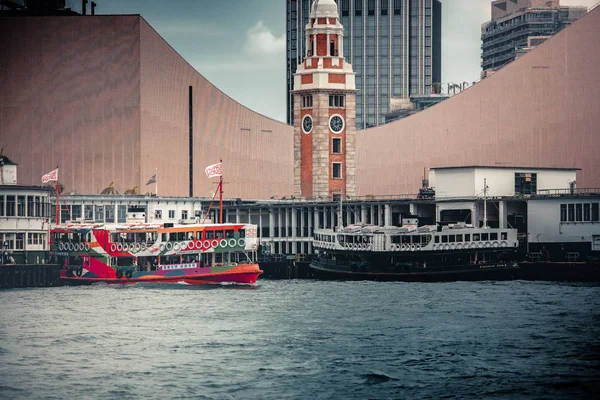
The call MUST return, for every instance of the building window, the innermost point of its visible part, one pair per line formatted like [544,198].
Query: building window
[397,7]
[384,7]
[30,206]
[563,213]
[578,212]
[99,214]
[171,214]
[571,212]
[307,101]
[122,216]
[595,212]
[88,212]
[525,183]
[586,212]
[371,7]
[358,7]
[20,243]
[157,214]
[21,206]
[1,206]
[336,100]
[336,146]
[10,206]
[336,170]
[184,214]
[109,212]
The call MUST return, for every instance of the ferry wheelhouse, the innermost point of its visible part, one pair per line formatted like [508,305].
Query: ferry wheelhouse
[132,253]
[413,253]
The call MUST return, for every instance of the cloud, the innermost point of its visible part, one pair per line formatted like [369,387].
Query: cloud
[260,40]
[189,28]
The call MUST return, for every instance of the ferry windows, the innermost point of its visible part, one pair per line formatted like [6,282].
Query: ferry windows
[229,234]
[503,236]
[485,236]
[242,233]
[571,212]
[444,239]
[467,237]
[180,236]
[171,214]
[210,235]
[157,214]
[99,214]
[165,237]
[459,238]
[184,214]
[20,242]
[437,239]
[451,238]
[563,213]
[595,212]
[493,235]
[219,234]
[476,237]
[586,212]
[198,235]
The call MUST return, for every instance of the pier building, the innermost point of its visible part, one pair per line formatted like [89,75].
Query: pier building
[108,100]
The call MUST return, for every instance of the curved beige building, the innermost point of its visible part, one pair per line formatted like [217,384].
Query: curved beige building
[107,100]
[542,110]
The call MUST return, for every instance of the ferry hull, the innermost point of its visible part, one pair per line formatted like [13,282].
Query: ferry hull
[240,274]
[497,271]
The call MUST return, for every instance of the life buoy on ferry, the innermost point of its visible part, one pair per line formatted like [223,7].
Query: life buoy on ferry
[113,247]
[459,246]
[214,243]
[120,247]
[488,244]
[206,244]
[242,242]
[128,274]
[503,244]
[480,245]
[138,247]
[183,246]
[176,246]
[198,245]
[452,246]
[61,246]
[169,246]
[161,247]
[232,243]
[417,246]
[223,243]
[144,246]
[87,247]
[495,244]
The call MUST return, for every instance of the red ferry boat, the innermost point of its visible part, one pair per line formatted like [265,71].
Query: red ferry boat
[133,253]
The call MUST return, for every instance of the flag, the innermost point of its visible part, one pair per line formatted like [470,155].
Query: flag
[214,170]
[50,176]
[151,180]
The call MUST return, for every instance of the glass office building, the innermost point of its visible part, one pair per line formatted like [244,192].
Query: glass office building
[394,47]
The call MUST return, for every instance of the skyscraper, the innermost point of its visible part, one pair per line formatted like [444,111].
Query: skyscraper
[394,47]
[518,25]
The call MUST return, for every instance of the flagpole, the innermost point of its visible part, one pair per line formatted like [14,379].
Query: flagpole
[221,194]
[56,190]
[156,181]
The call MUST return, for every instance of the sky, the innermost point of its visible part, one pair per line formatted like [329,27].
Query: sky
[239,45]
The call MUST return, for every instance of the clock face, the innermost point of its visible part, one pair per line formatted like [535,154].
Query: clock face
[307,124]
[336,123]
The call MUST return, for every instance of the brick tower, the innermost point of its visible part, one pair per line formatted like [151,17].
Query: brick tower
[324,110]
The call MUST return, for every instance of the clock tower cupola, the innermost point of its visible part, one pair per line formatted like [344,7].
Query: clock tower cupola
[324,110]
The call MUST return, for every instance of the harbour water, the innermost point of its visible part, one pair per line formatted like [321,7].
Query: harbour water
[302,339]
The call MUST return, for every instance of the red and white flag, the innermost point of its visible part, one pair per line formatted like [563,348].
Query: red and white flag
[214,170]
[50,176]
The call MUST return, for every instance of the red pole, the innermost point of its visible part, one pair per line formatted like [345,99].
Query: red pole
[221,195]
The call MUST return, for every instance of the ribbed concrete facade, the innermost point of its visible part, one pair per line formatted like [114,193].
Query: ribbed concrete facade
[107,100]
[541,110]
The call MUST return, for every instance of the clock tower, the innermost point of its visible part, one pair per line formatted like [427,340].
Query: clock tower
[324,110]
